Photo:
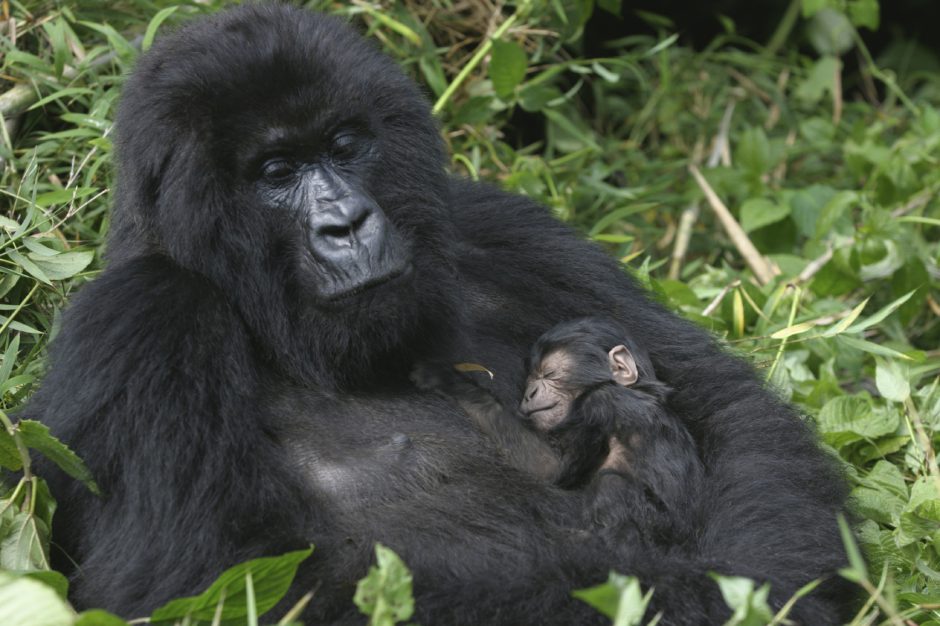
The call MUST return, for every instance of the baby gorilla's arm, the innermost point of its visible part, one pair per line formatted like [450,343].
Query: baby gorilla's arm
[519,445]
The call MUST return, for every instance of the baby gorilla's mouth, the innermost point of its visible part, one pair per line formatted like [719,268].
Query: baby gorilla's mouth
[539,409]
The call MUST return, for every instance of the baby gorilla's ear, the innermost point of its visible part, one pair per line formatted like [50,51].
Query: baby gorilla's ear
[622,366]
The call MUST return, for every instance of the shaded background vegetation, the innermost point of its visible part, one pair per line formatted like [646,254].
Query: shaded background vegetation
[770,170]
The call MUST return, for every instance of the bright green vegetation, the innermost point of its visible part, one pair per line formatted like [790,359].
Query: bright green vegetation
[823,270]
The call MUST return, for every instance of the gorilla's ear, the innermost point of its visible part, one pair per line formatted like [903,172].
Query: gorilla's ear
[622,366]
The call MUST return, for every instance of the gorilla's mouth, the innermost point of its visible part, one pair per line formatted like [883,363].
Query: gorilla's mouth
[402,272]
[547,407]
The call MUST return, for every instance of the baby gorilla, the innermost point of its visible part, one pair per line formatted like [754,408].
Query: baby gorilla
[593,415]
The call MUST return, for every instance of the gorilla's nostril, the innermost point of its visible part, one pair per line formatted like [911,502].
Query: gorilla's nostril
[336,231]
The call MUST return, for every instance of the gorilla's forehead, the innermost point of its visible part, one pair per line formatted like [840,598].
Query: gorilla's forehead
[262,61]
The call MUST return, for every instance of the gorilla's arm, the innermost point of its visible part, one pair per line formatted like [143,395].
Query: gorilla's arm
[151,384]
[770,496]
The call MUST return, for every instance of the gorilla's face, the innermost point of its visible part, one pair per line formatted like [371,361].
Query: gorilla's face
[315,203]
[342,241]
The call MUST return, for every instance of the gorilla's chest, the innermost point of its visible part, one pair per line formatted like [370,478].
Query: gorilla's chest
[360,451]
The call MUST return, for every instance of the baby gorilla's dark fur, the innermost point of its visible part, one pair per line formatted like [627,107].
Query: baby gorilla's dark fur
[593,415]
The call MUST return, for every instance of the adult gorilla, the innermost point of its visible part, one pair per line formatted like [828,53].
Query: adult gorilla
[285,245]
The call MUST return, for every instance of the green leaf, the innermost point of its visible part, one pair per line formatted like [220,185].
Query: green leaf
[37,436]
[611,6]
[759,212]
[507,67]
[620,598]
[63,265]
[97,617]
[9,455]
[28,266]
[51,578]
[872,348]
[891,378]
[830,32]
[25,546]
[749,606]
[28,602]
[880,315]
[865,13]
[271,578]
[385,593]
[821,80]
[154,24]
[753,151]
[850,418]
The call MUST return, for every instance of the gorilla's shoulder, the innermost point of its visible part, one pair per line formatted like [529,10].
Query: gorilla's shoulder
[144,322]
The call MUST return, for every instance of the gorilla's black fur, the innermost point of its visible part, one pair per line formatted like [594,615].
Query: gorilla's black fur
[228,411]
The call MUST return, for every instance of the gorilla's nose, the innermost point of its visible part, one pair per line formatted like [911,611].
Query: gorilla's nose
[347,228]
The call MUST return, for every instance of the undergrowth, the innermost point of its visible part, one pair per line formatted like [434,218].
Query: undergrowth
[764,191]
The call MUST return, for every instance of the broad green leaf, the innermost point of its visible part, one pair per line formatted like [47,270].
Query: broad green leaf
[9,455]
[759,212]
[891,378]
[830,32]
[25,546]
[811,7]
[271,578]
[749,605]
[31,268]
[820,81]
[865,13]
[51,578]
[507,67]
[385,593]
[620,598]
[28,602]
[849,418]
[753,151]
[37,436]
[63,265]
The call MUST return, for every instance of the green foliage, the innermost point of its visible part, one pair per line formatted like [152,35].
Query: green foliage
[831,172]
[385,593]
[620,598]
[241,593]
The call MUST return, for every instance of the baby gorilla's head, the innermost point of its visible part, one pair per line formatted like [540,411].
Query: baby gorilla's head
[573,358]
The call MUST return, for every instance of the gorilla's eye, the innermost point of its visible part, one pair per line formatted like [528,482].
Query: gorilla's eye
[278,170]
[346,146]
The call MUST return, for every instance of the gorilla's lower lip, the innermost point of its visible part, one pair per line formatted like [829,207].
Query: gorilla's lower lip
[540,409]
[371,283]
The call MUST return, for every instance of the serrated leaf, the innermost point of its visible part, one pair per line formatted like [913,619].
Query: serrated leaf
[28,602]
[385,594]
[271,578]
[856,416]
[508,64]
[9,455]
[865,13]
[37,437]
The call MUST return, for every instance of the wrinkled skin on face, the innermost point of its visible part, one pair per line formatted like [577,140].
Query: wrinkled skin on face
[552,387]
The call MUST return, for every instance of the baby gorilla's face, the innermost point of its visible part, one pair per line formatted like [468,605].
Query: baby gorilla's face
[549,392]
[560,377]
